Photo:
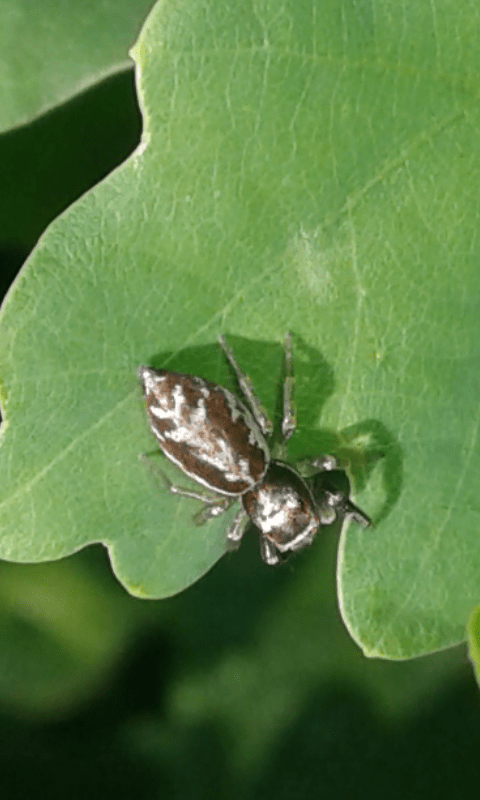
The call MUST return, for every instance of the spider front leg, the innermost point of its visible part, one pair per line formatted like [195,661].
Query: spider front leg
[324,463]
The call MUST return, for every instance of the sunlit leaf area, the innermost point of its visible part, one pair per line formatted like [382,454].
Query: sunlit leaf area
[177,171]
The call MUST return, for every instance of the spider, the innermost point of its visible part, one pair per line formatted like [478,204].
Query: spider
[222,443]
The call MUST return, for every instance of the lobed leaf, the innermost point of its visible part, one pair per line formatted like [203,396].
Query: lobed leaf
[307,167]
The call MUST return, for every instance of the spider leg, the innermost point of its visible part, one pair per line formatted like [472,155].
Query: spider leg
[344,507]
[237,529]
[289,421]
[269,552]
[213,504]
[246,386]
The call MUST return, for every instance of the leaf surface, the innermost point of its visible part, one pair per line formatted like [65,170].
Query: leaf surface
[304,167]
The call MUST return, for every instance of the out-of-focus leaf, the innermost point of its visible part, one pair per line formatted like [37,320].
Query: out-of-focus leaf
[62,632]
[55,49]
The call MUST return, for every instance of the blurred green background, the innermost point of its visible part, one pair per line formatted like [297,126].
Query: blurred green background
[247,684]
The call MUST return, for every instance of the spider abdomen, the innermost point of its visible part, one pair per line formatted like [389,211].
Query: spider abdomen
[205,430]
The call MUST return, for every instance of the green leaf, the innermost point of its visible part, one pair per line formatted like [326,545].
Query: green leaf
[52,52]
[63,630]
[474,641]
[301,169]
[294,654]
